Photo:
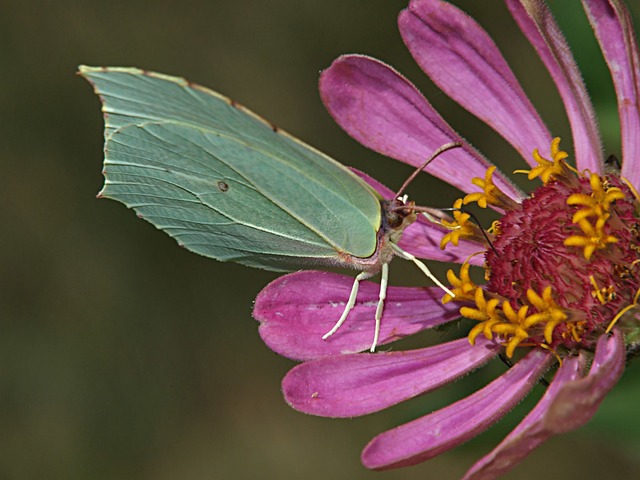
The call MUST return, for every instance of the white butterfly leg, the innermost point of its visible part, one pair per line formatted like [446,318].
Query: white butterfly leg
[421,266]
[350,303]
[384,277]
[431,218]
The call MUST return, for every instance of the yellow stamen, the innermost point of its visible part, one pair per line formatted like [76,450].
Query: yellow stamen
[494,229]
[460,227]
[596,290]
[549,312]
[594,237]
[555,354]
[598,203]
[554,169]
[514,342]
[463,288]
[632,188]
[519,334]
[486,314]
[490,195]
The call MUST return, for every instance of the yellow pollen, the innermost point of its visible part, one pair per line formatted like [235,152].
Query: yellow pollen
[574,330]
[553,169]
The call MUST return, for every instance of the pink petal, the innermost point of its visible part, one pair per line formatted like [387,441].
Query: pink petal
[296,310]
[358,384]
[578,401]
[530,433]
[614,28]
[569,403]
[460,57]
[383,111]
[537,23]
[422,238]
[451,426]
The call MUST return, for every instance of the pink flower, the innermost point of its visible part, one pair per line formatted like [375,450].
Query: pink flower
[561,263]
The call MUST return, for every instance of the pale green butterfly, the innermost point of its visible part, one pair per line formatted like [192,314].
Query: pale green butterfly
[228,185]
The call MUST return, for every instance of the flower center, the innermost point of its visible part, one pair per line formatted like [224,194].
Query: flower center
[562,266]
[531,253]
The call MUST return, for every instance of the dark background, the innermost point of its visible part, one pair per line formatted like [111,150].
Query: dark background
[124,356]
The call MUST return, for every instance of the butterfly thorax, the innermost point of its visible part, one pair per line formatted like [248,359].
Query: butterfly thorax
[397,215]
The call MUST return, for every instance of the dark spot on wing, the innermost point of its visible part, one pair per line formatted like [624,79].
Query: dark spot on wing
[222,186]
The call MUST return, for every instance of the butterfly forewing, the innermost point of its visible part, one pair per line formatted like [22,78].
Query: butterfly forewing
[223,182]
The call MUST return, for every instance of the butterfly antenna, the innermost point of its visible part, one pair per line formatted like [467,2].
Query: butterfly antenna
[438,152]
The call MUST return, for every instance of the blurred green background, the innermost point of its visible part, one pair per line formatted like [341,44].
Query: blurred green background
[124,356]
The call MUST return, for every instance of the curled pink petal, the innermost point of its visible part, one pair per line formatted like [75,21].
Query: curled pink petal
[297,309]
[531,432]
[461,58]
[578,401]
[614,29]
[453,425]
[383,111]
[537,23]
[363,383]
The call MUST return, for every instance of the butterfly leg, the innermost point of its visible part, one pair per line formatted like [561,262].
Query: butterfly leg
[431,218]
[350,303]
[384,278]
[421,266]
